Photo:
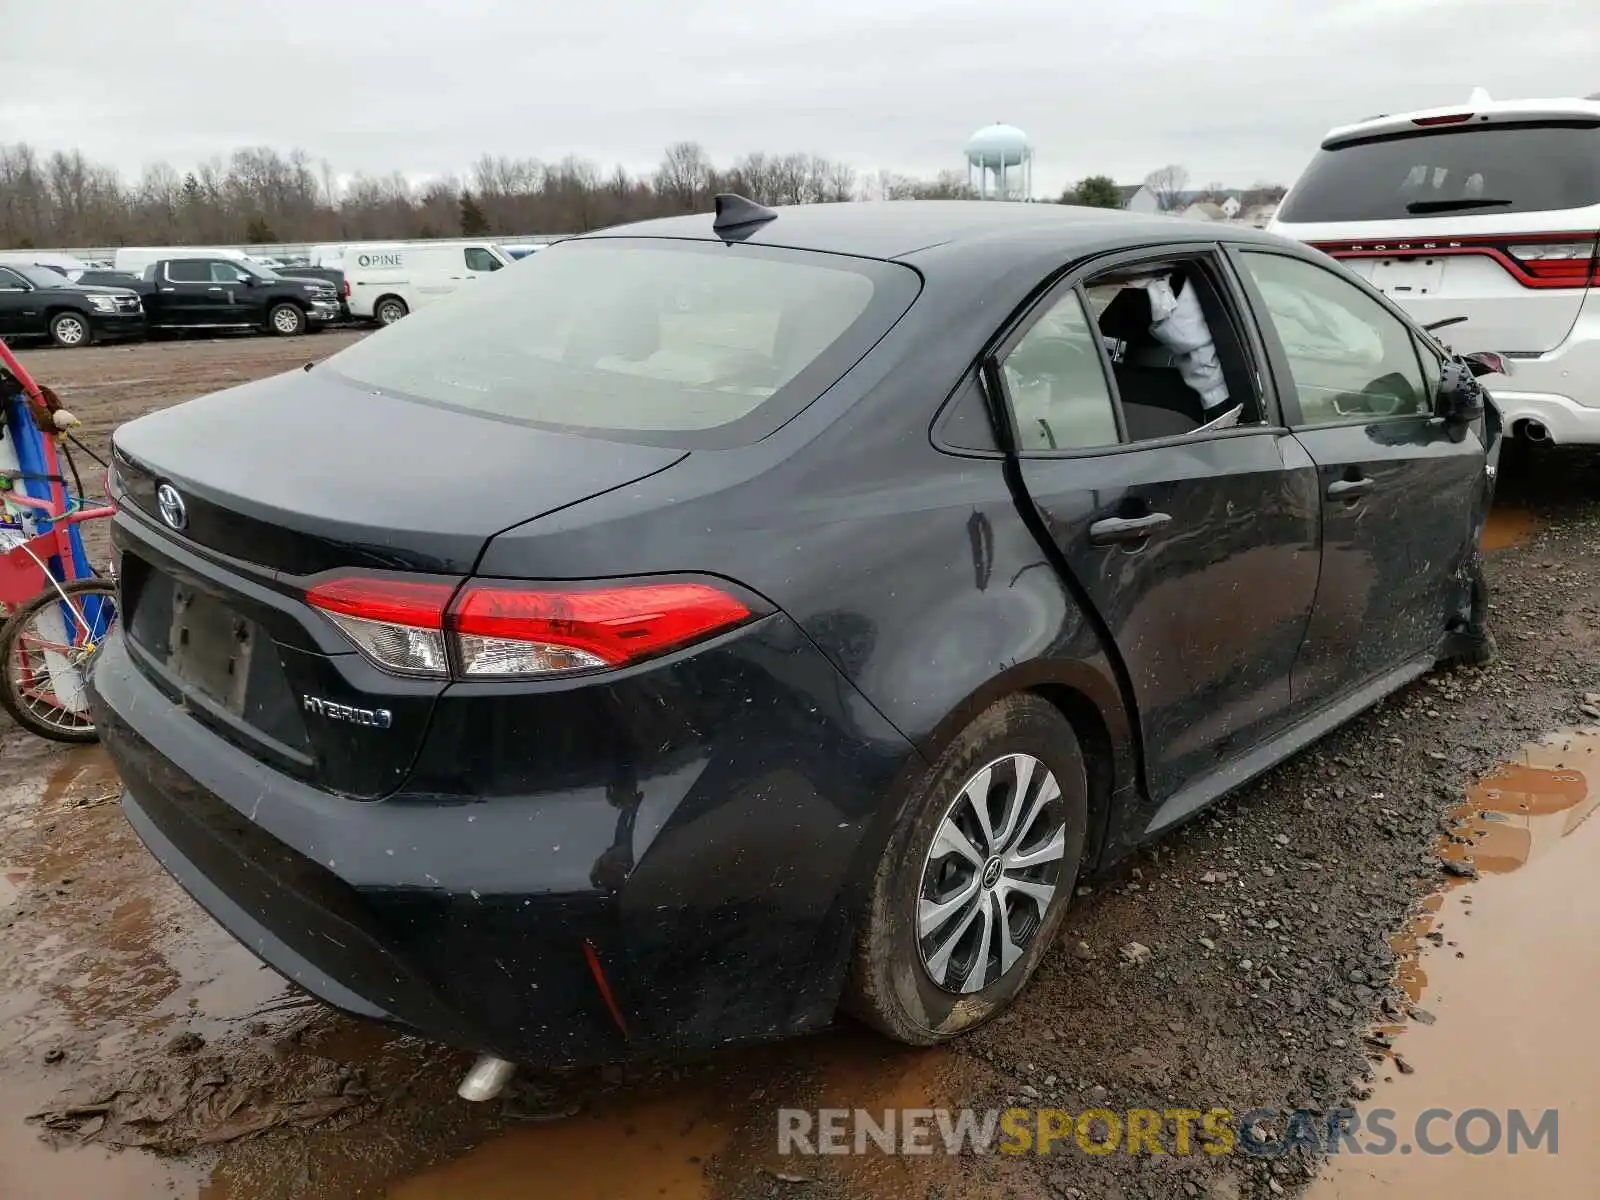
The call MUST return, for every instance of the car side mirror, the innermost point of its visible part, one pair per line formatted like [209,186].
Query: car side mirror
[248,280]
[1459,400]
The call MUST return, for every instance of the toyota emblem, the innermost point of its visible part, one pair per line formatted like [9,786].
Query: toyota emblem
[172,509]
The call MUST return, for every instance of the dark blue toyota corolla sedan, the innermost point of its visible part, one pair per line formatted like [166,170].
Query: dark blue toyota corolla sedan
[721,620]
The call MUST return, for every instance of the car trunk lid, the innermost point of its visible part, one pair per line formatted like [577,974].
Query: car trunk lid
[303,472]
[284,481]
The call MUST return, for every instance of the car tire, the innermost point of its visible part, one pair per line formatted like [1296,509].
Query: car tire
[70,330]
[1473,645]
[389,310]
[286,320]
[919,946]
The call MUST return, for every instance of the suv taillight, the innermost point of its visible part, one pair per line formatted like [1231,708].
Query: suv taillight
[1538,260]
[1556,264]
[497,629]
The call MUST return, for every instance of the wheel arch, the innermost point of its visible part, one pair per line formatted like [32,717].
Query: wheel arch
[1085,693]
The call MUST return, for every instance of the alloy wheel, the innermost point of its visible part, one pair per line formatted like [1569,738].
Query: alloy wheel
[69,331]
[991,873]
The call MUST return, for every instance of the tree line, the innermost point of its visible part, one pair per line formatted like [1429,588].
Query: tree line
[259,195]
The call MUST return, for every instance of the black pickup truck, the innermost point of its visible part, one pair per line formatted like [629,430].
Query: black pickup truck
[39,303]
[225,293]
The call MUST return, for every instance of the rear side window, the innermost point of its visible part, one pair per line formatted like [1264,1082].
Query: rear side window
[1057,385]
[1472,169]
[673,342]
[189,270]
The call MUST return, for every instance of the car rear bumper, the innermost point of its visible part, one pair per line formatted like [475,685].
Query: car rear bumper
[716,894]
[1564,420]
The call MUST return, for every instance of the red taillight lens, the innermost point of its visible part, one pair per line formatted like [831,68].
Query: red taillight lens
[1556,264]
[344,288]
[507,630]
[382,598]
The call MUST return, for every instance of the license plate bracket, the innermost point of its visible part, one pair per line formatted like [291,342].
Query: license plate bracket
[211,647]
[1408,278]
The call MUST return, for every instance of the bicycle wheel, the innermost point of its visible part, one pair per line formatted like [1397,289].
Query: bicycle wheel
[45,648]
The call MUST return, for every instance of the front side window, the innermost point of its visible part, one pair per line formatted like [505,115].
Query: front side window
[1058,391]
[1349,356]
[479,259]
[222,272]
[650,340]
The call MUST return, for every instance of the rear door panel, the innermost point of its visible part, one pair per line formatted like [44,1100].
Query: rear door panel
[1208,614]
[1208,607]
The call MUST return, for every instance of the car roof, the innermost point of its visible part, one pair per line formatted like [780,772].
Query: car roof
[1477,110]
[902,229]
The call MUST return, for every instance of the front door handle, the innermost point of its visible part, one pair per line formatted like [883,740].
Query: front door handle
[1126,529]
[1349,489]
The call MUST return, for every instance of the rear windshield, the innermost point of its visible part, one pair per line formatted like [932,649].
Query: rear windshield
[673,342]
[1450,173]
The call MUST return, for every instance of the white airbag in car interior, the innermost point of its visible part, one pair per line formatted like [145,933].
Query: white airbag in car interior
[1179,324]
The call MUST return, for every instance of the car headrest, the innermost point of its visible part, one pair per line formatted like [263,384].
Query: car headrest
[1127,317]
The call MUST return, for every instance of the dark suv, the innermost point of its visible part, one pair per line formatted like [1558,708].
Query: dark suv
[39,303]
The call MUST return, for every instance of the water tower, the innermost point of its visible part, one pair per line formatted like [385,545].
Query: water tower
[1000,163]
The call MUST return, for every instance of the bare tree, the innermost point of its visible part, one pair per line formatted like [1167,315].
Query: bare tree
[259,193]
[684,178]
[1166,184]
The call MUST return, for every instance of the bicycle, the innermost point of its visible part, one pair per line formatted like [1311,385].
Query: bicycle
[60,610]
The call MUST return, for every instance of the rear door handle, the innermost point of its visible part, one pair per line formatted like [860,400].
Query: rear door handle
[1349,489]
[1126,529]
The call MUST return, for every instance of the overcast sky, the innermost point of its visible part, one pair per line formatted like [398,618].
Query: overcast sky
[1240,94]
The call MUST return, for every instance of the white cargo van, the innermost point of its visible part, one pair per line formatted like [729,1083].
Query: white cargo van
[387,280]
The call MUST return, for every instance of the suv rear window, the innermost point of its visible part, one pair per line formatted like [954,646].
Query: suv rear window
[672,342]
[1451,172]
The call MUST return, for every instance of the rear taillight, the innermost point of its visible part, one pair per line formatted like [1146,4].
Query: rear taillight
[344,288]
[1556,264]
[397,623]
[1540,260]
[497,629]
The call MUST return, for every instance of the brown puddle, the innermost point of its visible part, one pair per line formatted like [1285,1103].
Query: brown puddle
[1509,967]
[717,1134]
[103,962]
[1509,527]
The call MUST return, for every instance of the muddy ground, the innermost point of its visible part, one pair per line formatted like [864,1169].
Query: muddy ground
[143,1053]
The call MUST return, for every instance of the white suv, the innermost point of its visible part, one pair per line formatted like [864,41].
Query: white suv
[1488,211]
